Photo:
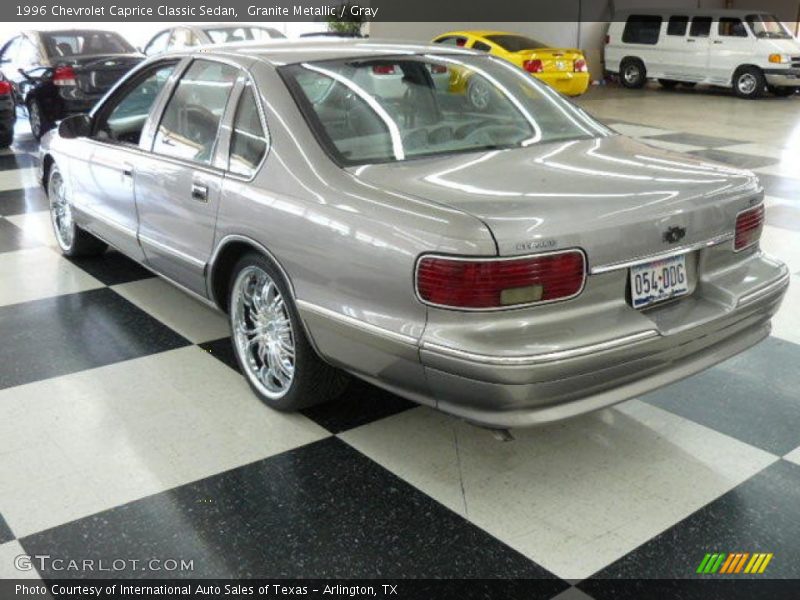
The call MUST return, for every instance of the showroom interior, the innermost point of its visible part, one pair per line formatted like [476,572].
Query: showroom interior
[128,431]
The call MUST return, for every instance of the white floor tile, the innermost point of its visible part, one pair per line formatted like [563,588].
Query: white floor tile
[794,456]
[786,322]
[8,569]
[675,147]
[110,435]
[761,150]
[176,309]
[637,130]
[573,496]
[783,244]
[16,179]
[35,273]
[36,226]
[788,168]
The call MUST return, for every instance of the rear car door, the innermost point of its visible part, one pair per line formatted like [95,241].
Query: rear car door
[674,47]
[102,169]
[699,44]
[178,184]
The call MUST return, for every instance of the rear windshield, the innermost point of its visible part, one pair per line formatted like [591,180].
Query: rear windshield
[76,43]
[397,108]
[222,35]
[515,43]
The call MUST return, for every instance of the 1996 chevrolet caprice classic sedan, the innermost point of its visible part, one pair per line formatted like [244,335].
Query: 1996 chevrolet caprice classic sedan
[353,213]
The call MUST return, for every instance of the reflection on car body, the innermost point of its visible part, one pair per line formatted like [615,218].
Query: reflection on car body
[490,262]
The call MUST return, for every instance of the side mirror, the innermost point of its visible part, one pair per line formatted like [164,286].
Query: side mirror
[75,126]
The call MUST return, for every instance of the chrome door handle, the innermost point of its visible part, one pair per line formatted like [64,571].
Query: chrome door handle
[690,41]
[127,170]
[717,41]
[200,192]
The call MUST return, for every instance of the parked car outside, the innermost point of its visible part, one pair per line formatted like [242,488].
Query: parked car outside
[64,72]
[746,50]
[8,112]
[510,266]
[564,69]
[188,36]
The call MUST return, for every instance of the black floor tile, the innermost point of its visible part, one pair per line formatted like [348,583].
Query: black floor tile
[361,403]
[6,534]
[735,159]
[17,202]
[321,510]
[17,160]
[695,139]
[12,238]
[752,397]
[760,515]
[782,187]
[112,268]
[65,334]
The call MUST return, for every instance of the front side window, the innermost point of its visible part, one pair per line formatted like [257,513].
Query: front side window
[767,27]
[124,119]
[248,140]
[677,26]
[191,120]
[394,108]
[732,28]
[61,44]
[642,29]
[701,27]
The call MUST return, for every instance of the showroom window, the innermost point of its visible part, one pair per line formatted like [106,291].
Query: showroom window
[191,120]
[677,26]
[126,119]
[642,29]
[701,27]
[248,140]
[732,28]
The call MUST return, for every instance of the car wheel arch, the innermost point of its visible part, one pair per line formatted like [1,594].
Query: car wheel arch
[47,164]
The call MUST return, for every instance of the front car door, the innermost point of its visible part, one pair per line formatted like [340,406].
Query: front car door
[102,166]
[731,45]
[178,183]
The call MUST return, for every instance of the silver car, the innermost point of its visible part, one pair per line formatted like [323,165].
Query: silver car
[512,265]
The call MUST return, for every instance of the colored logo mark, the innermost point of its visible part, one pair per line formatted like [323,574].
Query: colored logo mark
[738,562]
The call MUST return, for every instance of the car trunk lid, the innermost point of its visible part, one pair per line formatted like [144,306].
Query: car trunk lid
[554,60]
[96,73]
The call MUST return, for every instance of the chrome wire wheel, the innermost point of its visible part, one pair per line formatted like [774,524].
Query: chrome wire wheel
[61,212]
[262,332]
[747,83]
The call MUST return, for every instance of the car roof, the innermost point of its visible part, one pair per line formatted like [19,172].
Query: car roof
[284,51]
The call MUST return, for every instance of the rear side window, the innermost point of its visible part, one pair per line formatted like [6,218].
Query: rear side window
[248,140]
[452,40]
[478,45]
[701,27]
[642,29]
[732,28]
[191,120]
[677,26]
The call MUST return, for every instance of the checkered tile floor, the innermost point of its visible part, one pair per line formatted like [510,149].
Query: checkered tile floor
[125,430]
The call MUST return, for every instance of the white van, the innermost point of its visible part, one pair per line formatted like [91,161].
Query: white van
[747,50]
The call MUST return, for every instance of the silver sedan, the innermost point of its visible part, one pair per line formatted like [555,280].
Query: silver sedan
[512,264]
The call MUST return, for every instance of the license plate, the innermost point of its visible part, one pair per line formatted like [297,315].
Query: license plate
[659,280]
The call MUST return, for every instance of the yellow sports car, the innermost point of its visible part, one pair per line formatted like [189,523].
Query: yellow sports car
[562,68]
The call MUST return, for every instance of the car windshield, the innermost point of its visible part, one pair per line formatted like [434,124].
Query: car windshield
[397,108]
[767,26]
[75,43]
[222,35]
[515,43]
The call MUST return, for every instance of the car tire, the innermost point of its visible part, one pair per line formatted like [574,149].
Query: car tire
[632,73]
[479,94]
[7,138]
[782,91]
[269,341]
[668,84]
[749,83]
[72,240]
[37,119]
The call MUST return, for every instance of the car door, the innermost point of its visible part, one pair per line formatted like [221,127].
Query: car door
[674,47]
[103,165]
[732,45]
[698,44]
[178,183]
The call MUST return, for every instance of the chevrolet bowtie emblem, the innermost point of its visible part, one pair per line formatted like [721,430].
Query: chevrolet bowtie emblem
[674,234]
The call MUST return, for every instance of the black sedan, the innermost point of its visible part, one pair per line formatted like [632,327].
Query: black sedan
[8,113]
[58,73]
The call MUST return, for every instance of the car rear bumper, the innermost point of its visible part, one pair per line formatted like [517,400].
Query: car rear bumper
[566,82]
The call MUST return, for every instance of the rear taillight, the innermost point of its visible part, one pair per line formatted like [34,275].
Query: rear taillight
[383,69]
[749,224]
[64,76]
[580,66]
[471,283]
[5,88]
[533,66]
[438,69]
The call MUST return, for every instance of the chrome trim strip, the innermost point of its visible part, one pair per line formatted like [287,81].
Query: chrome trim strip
[357,323]
[499,259]
[715,241]
[766,290]
[535,359]
[174,252]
